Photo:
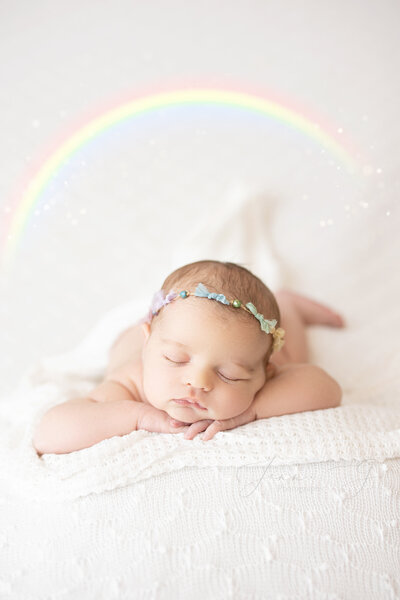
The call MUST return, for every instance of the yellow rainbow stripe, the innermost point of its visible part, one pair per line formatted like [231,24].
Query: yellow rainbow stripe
[21,216]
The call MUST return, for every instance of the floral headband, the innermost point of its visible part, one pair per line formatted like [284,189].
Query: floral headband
[160,300]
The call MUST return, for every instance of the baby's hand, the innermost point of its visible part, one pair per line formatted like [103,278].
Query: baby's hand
[212,427]
[153,419]
[193,428]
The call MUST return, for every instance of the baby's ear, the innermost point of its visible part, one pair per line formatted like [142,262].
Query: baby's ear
[146,330]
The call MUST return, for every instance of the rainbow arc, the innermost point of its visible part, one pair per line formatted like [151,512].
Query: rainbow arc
[322,133]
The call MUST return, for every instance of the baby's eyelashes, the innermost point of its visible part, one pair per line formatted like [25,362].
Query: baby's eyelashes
[176,362]
[228,378]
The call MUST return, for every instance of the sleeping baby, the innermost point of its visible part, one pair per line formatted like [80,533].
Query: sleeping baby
[217,350]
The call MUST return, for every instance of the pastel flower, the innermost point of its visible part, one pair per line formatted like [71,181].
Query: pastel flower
[266,325]
[202,292]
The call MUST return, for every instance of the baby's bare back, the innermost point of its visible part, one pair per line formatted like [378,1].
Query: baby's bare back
[123,379]
[127,348]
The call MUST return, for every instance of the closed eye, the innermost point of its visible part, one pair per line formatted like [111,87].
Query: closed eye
[176,362]
[227,378]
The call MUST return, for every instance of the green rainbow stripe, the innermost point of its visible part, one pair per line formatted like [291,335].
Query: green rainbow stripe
[21,216]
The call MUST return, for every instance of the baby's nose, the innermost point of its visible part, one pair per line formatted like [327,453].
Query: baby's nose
[199,380]
[205,388]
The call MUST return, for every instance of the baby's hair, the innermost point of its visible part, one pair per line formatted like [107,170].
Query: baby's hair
[232,280]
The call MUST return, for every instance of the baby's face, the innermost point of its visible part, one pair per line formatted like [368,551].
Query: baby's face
[193,353]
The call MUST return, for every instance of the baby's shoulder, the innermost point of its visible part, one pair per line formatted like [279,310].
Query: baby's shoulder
[130,376]
[286,370]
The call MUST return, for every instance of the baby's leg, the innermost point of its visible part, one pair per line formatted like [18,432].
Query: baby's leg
[297,312]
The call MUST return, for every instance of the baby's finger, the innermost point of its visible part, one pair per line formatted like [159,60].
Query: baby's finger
[175,426]
[176,423]
[191,432]
[195,428]
[214,428]
[179,429]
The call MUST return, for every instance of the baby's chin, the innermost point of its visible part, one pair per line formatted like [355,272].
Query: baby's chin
[187,414]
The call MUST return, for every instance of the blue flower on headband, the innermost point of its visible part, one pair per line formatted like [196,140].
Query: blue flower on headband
[265,324]
[203,292]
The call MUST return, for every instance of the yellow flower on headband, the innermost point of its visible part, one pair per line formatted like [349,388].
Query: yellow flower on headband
[278,336]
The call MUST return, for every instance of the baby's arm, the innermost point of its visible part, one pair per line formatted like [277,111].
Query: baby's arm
[83,422]
[297,388]
[109,410]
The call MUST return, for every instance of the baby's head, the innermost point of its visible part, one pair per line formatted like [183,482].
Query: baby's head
[207,351]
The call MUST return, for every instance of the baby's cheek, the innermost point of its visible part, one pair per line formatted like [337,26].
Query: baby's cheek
[151,386]
[235,405]
[158,387]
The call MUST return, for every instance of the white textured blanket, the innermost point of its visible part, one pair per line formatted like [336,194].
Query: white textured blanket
[284,504]
[361,431]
